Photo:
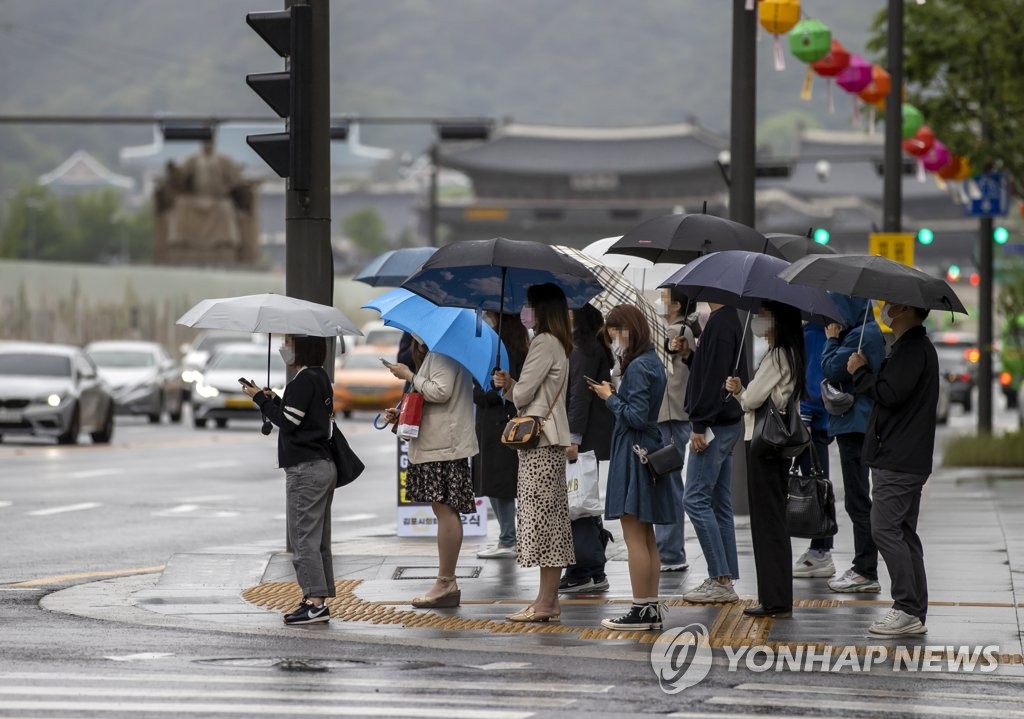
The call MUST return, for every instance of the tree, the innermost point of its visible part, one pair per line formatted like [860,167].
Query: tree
[36,228]
[366,229]
[962,66]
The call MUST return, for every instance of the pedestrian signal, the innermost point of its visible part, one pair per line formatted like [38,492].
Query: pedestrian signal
[821,236]
[1001,235]
[925,236]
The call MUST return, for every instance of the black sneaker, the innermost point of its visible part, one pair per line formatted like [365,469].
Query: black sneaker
[570,585]
[639,618]
[659,612]
[308,613]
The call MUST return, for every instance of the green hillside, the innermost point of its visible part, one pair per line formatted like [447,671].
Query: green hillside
[582,62]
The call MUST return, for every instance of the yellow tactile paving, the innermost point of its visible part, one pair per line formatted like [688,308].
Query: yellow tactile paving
[731,627]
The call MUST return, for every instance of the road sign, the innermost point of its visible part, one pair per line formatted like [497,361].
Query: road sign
[988,195]
[1016,249]
[897,246]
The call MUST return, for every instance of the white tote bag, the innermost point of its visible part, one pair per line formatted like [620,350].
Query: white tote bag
[582,487]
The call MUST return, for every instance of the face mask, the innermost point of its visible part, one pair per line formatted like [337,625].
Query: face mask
[760,326]
[660,308]
[527,317]
[287,354]
[887,316]
[617,349]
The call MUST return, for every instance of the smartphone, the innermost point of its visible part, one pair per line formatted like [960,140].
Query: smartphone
[384,362]
[243,380]
[591,380]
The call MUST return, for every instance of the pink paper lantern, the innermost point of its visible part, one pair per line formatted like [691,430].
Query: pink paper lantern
[856,76]
[937,157]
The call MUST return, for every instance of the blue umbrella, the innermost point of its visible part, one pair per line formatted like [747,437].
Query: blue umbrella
[450,331]
[746,279]
[391,268]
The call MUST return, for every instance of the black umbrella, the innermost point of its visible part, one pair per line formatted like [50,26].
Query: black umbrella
[682,238]
[792,247]
[495,274]
[391,268]
[874,277]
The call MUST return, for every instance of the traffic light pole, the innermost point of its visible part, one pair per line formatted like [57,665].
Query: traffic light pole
[892,219]
[309,260]
[985,259]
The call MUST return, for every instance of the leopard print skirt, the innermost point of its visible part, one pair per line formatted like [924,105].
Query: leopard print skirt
[543,533]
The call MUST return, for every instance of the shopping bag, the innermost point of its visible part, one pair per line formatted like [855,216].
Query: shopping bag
[409,415]
[582,487]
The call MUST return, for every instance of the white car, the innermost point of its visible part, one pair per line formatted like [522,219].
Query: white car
[143,377]
[195,355]
[51,390]
[217,395]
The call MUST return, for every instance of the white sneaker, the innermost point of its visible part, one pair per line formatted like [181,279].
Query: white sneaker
[807,566]
[711,592]
[853,583]
[898,622]
[497,552]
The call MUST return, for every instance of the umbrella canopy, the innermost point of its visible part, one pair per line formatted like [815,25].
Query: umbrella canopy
[682,238]
[874,277]
[792,247]
[450,331]
[495,274]
[746,279]
[270,313]
[639,272]
[391,268]
[619,291]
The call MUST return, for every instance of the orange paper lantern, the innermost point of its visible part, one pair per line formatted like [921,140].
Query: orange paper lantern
[878,89]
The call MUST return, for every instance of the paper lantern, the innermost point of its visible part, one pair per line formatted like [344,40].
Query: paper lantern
[912,121]
[834,62]
[810,40]
[966,170]
[878,88]
[920,143]
[856,76]
[936,158]
[777,17]
[951,169]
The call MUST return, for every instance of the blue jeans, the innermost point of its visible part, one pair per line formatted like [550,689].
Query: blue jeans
[671,538]
[708,501]
[505,512]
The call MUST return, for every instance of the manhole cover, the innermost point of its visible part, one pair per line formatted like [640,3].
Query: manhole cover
[431,572]
[307,664]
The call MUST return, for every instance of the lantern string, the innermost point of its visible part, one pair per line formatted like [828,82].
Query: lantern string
[750,5]
[831,102]
[855,118]
[871,119]
[780,58]
[808,88]
[920,171]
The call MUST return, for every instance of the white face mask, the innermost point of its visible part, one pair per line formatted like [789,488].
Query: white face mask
[887,317]
[760,326]
[527,317]
[287,354]
[617,349]
[660,308]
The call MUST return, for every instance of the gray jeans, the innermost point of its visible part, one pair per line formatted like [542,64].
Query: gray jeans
[895,506]
[309,491]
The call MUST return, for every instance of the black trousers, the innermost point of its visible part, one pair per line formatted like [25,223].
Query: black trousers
[589,539]
[894,526]
[767,487]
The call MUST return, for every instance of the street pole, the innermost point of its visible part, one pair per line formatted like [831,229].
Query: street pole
[893,201]
[309,260]
[986,272]
[742,151]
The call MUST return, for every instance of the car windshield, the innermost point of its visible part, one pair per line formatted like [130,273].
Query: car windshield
[383,337]
[35,365]
[122,358]
[246,361]
[362,361]
[209,342]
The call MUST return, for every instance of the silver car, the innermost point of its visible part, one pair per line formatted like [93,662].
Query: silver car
[50,390]
[144,378]
[217,394]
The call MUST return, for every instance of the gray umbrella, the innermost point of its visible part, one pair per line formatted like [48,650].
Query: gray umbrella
[874,278]
[792,247]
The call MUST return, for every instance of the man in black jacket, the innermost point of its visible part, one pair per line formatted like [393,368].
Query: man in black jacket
[898,447]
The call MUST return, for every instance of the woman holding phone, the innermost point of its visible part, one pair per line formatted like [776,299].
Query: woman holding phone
[304,418]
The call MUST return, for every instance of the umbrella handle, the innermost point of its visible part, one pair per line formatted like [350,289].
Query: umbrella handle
[743,339]
[501,315]
[860,342]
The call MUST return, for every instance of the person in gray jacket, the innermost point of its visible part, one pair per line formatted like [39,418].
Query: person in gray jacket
[439,470]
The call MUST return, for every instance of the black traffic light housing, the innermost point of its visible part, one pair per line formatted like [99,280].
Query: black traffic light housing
[289,32]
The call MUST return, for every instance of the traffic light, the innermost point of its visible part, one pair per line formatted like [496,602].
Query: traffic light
[925,236]
[953,273]
[821,236]
[289,32]
[1001,235]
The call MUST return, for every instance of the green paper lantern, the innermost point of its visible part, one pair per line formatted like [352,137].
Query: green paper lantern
[810,40]
[912,121]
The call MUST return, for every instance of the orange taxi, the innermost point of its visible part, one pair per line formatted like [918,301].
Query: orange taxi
[362,382]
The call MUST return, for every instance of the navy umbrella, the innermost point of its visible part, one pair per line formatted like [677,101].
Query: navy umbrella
[391,268]
[747,279]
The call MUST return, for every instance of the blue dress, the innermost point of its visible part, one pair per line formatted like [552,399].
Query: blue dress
[635,406]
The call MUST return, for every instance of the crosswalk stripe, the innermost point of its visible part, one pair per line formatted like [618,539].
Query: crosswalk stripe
[219,464]
[438,684]
[61,510]
[40,692]
[857,707]
[4,504]
[291,709]
[87,473]
[355,517]
[880,693]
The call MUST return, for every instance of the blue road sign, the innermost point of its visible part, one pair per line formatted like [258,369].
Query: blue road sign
[988,195]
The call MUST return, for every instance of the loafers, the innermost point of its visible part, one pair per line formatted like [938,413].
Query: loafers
[530,615]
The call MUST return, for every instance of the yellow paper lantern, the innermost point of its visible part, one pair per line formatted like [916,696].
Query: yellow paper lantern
[779,17]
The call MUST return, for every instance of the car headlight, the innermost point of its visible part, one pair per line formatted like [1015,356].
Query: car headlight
[206,391]
[191,375]
[53,400]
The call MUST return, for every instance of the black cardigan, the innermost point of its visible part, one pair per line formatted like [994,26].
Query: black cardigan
[303,415]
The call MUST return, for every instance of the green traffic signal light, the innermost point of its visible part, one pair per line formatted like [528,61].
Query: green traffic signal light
[953,273]
[925,236]
[821,236]
[1001,235]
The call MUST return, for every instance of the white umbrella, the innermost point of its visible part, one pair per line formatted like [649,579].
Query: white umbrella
[270,313]
[642,273]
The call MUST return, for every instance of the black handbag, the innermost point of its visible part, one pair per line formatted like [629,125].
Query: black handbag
[659,462]
[810,502]
[778,435]
[346,461]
